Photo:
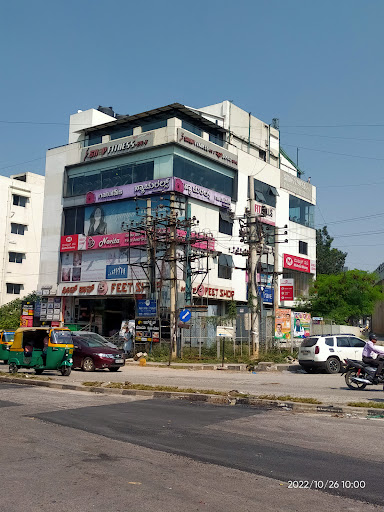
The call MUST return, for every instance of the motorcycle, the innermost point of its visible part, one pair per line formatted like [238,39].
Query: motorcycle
[358,375]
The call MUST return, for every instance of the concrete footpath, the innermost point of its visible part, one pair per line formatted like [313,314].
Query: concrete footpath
[270,389]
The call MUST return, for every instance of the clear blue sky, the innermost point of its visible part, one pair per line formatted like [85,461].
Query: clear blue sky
[317,66]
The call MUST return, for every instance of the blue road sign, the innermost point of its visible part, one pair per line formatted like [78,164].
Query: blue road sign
[185,315]
[146,307]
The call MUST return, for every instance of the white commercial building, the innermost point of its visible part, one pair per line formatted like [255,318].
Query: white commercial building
[21,197]
[201,158]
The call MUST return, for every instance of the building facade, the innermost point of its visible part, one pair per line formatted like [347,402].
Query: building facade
[21,197]
[113,190]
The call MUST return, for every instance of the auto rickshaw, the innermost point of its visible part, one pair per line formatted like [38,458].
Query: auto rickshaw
[42,348]
[6,340]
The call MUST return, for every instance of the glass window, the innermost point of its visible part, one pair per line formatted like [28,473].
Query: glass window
[309,342]
[302,282]
[301,212]
[203,176]
[16,257]
[18,229]
[217,139]
[265,193]
[330,342]
[356,342]
[225,222]
[61,337]
[79,185]
[19,200]
[74,221]
[343,341]
[122,132]
[225,266]
[153,125]
[14,288]
[303,247]
[93,138]
[192,128]
[262,155]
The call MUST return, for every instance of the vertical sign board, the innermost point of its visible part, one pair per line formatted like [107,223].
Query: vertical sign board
[302,325]
[286,289]
[146,308]
[283,324]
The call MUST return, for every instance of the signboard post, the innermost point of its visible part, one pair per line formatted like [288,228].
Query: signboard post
[286,289]
[146,308]
[223,331]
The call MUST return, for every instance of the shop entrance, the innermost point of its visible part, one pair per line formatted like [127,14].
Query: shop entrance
[104,316]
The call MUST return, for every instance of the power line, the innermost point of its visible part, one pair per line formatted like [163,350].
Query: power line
[333,137]
[334,152]
[332,126]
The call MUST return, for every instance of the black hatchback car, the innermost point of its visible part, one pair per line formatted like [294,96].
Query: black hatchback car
[90,353]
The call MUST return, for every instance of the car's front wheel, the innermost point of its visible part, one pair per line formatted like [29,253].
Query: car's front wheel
[332,365]
[88,365]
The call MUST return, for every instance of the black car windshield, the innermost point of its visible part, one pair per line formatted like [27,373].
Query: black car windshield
[61,337]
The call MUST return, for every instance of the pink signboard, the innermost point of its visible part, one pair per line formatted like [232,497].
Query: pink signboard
[297,263]
[129,239]
[159,186]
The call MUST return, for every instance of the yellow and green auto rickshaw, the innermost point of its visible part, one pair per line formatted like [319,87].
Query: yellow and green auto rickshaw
[42,348]
[6,340]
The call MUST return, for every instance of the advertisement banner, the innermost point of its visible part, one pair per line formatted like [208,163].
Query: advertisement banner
[102,288]
[297,263]
[266,214]
[302,325]
[283,324]
[147,330]
[159,186]
[286,289]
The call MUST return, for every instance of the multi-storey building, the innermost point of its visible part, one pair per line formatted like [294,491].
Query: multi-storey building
[21,197]
[116,169]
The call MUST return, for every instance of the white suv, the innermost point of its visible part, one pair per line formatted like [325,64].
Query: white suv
[328,352]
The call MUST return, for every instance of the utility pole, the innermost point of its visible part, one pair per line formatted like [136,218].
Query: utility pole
[173,276]
[252,276]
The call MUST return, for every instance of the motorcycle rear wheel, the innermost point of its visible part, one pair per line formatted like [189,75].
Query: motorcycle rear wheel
[354,385]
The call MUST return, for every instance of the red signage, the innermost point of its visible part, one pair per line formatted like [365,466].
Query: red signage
[297,263]
[286,289]
[69,243]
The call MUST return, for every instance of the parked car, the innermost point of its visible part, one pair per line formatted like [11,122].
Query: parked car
[90,353]
[95,336]
[329,351]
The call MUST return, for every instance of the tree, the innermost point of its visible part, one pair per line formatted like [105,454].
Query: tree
[10,312]
[328,260]
[344,297]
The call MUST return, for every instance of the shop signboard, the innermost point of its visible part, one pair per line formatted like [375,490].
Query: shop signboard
[147,330]
[296,263]
[125,145]
[302,325]
[286,289]
[283,324]
[203,147]
[214,292]
[159,186]
[119,271]
[27,313]
[101,288]
[267,293]
[50,308]
[266,214]
[146,308]
[296,185]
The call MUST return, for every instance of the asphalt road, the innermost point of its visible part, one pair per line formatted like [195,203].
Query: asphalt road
[330,389]
[66,450]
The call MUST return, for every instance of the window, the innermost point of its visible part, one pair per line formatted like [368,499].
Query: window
[217,139]
[309,342]
[153,125]
[14,288]
[343,342]
[204,176]
[302,282]
[265,193]
[93,138]
[18,229]
[19,200]
[262,155]
[225,266]
[192,128]
[303,247]
[330,342]
[115,177]
[16,257]
[74,221]
[356,342]
[122,132]
[301,212]
[225,222]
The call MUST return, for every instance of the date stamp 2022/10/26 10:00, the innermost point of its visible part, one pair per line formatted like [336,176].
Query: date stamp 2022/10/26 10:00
[326,484]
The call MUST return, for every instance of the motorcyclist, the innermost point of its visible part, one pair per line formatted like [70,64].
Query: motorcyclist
[371,350]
